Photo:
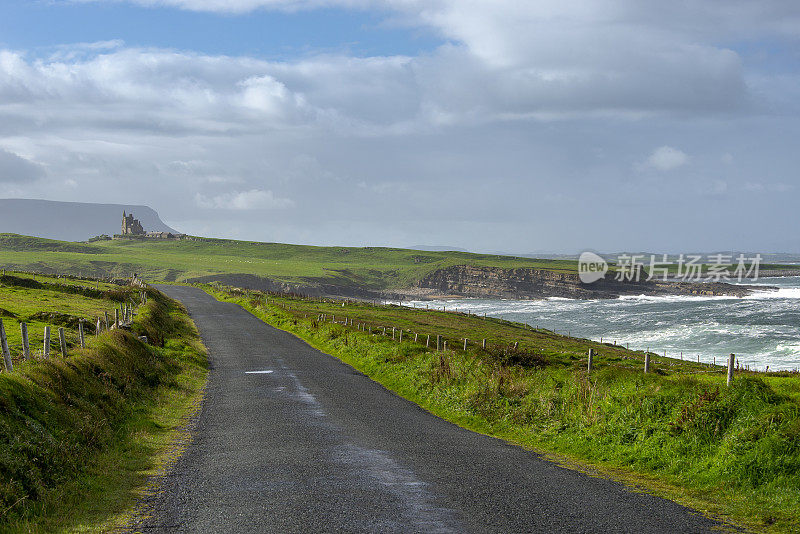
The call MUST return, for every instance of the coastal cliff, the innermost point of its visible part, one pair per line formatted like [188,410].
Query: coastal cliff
[492,282]
[487,282]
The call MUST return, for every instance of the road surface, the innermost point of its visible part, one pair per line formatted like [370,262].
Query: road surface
[290,439]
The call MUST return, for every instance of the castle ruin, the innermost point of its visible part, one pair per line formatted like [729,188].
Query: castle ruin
[131,226]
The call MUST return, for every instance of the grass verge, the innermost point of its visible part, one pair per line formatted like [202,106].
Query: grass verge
[732,452]
[80,436]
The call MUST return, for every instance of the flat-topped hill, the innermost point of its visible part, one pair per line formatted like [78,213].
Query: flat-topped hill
[71,221]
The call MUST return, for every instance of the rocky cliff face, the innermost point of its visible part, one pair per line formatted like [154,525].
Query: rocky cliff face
[488,282]
[493,282]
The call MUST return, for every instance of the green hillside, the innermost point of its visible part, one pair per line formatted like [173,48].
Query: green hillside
[374,268]
[81,434]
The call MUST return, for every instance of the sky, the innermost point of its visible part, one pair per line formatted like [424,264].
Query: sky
[488,125]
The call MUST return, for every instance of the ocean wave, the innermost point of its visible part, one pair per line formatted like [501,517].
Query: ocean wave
[675,298]
[781,293]
[760,328]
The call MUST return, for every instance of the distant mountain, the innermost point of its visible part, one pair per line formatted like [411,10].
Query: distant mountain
[71,221]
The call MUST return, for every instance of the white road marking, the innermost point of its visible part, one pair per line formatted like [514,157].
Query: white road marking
[268,371]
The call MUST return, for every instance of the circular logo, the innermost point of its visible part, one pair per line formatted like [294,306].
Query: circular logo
[591,267]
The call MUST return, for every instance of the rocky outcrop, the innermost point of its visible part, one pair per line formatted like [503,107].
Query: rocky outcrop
[524,283]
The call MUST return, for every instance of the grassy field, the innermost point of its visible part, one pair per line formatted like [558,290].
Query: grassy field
[678,432]
[366,267]
[40,300]
[79,436]
[361,269]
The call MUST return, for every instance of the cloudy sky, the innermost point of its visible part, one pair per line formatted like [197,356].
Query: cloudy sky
[550,125]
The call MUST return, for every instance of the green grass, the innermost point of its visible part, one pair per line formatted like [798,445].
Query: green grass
[375,268]
[679,432]
[363,268]
[80,436]
[41,301]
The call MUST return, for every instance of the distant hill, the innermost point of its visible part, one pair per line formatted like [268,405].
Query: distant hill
[71,221]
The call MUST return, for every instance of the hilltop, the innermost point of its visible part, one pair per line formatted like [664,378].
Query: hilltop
[71,221]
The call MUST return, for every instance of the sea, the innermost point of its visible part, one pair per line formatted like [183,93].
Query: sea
[762,329]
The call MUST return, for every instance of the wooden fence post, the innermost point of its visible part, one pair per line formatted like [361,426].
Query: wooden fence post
[428,341]
[416,336]
[116,318]
[731,359]
[401,336]
[47,341]
[392,332]
[444,346]
[483,344]
[646,362]
[438,342]
[80,334]
[97,329]
[62,341]
[4,348]
[106,314]
[465,344]
[26,349]
[590,361]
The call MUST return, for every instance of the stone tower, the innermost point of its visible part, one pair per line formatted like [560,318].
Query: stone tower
[131,226]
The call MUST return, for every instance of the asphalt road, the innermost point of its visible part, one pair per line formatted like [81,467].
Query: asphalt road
[290,439]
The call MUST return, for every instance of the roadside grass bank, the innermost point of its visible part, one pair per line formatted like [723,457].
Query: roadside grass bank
[80,435]
[677,432]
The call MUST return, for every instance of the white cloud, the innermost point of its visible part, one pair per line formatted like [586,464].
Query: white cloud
[710,187]
[255,199]
[666,158]
[520,60]
[515,106]
[141,90]
[759,187]
[67,52]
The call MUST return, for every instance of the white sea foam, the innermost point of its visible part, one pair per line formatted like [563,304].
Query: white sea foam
[781,293]
[675,298]
[761,329]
